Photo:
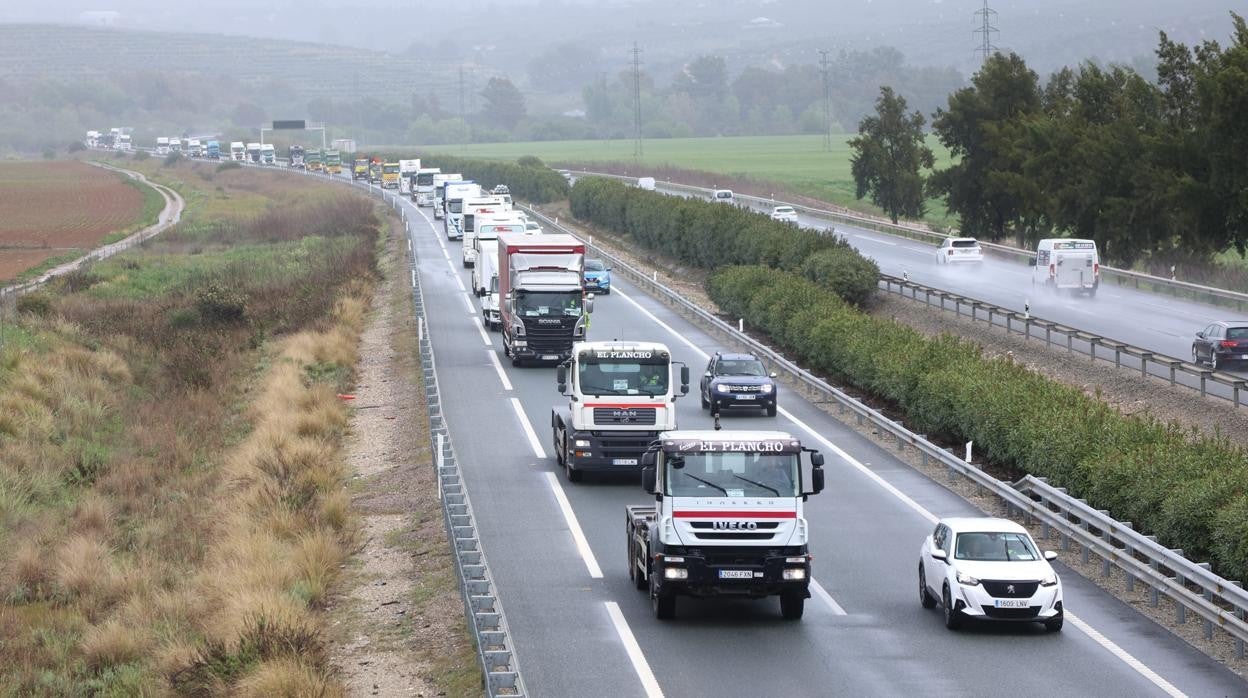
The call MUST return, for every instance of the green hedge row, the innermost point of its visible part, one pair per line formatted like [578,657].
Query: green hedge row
[529,179]
[710,235]
[1188,489]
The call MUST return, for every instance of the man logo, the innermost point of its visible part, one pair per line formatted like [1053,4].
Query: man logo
[735,525]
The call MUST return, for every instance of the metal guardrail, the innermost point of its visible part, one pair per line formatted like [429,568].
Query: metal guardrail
[1122,277]
[1189,585]
[1032,327]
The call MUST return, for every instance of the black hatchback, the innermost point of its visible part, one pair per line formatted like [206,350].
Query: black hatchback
[1220,344]
[738,380]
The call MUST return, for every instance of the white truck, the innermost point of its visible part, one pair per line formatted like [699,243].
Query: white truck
[162,145]
[253,152]
[194,148]
[485,282]
[123,142]
[422,190]
[238,151]
[407,172]
[439,192]
[621,395]
[1065,264]
[92,140]
[728,519]
[479,208]
[175,145]
[453,216]
[268,155]
[485,243]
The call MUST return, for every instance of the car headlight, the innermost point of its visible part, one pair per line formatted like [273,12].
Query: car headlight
[967,580]
[766,389]
[1049,581]
[721,388]
[581,443]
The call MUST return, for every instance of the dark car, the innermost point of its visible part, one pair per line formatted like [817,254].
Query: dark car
[738,380]
[1221,343]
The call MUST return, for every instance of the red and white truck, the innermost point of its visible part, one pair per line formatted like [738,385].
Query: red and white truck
[541,300]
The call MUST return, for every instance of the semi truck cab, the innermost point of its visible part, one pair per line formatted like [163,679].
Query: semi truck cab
[728,519]
[621,395]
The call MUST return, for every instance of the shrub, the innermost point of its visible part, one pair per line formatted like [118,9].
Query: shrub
[530,161]
[140,155]
[37,303]
[1191,491]
[172,159]
[218,303]
[229,165]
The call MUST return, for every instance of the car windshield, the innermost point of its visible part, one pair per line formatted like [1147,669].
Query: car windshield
[548,304]
[611,378]
[965,243]
[731,474]
[995,547]
[741,367]
[1237,333]
[594,265]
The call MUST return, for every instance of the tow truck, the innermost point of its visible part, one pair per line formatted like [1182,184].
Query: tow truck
[621,395]
[728,519]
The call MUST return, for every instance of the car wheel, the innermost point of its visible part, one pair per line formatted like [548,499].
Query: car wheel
[1054,625]
[792,603]
[1195,355]
[663,602]
[953,618]
[771,410]
[706,405]
[925,597]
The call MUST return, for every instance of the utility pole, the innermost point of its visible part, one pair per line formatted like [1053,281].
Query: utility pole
[986,15]
[827,101]
[636,101]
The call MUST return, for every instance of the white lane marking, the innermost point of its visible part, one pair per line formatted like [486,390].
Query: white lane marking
[468,304]
[1125,656]
[1088,630]
[458,281]
[640,665]
[481,331]
[413,278]
[1168,334]
[822,593]
[868,237]
[498,368]
[528,428]
[578,536]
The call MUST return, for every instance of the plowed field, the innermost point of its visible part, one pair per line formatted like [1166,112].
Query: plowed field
[47,208]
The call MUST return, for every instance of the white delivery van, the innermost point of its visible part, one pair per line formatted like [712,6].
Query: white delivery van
[646,183]
[723,196]
[1066,264]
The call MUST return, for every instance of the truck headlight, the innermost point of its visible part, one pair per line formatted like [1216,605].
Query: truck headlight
[581,443]
[675,573]
[721,388]
[520,344]
[794,573]
[766,389]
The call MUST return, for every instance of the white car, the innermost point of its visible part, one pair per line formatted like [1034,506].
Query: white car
[956,250]
[988,569]
[784,214]
[532,226]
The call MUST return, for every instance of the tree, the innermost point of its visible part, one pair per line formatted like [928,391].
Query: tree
[504,105]
[983,128]
[888,153]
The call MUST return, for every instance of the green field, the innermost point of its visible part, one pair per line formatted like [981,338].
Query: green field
[797,163]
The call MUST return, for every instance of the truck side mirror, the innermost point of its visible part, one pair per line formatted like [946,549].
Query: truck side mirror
[816,480]
[648,480]
[684,380]
[589,304]
[816,459]
[648,459]
[561,377]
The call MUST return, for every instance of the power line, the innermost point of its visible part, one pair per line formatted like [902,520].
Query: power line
[986,30]
[827,100]
[636,101]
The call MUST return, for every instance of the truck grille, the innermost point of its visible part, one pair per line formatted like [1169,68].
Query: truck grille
[1009,590]
[550,339]
[632,415]
[624,444]
[762,525]
[734,535]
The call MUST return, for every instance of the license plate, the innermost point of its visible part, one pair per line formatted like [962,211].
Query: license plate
[736,574]
[550,357]
[624,461]
[1244,357]
[1011,603]
[746,397]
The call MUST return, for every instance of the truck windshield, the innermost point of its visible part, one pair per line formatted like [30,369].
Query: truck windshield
[548,304]
[424,180]
[620,378]
[390,169]
[734,474]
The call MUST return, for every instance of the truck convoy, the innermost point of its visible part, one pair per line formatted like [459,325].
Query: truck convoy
[268,155]
[359,168]
[621,396]
[407,171]
[453,214]
[728,519]
[296,157]
[238,152]
[333,162]
[541,304]
[422,191]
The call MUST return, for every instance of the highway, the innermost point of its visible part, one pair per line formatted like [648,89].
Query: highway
[557,550]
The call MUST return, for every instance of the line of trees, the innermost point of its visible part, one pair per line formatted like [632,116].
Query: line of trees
[1154,170]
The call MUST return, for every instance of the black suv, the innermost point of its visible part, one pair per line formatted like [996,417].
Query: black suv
[738,380]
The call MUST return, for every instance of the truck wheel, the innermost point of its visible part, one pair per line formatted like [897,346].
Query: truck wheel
[639,580]
[792,603]
[663,602]
[574,475]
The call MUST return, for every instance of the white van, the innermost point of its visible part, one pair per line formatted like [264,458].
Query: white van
[646,183]
[723,196]
[1067,264]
